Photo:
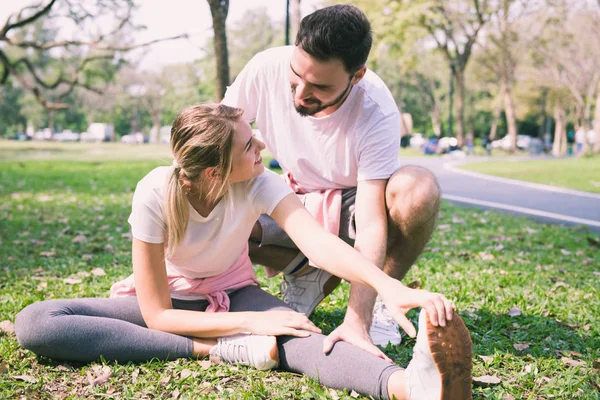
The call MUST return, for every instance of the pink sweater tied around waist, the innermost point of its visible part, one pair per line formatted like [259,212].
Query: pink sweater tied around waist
[324,205]
[240,274]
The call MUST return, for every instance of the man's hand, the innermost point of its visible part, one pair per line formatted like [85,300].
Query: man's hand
[399,299]
[355,335]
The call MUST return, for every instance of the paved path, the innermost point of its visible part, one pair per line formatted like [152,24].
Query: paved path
[540,202]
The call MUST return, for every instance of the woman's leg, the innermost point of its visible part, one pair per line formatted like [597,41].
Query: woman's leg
[345,367]
[85,329]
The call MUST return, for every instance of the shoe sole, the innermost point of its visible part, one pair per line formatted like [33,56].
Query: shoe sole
[452,351]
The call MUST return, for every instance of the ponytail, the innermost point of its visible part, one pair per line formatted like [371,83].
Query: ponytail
[177,212]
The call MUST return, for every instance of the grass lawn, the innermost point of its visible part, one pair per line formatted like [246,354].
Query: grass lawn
[573,173]
[68,219]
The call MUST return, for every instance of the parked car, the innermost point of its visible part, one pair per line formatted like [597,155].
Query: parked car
[98,132]
[417,140]
[66,136]
[134,138]
[164,134]
[44,134]
[504,143]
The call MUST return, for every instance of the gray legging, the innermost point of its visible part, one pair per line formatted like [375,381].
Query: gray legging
[85,329]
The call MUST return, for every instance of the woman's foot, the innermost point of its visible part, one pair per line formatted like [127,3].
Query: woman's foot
[257,351]
[442,361]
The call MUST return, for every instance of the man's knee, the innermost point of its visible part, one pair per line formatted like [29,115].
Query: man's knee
[413,192]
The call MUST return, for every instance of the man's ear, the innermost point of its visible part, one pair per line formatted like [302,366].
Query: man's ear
[358,75]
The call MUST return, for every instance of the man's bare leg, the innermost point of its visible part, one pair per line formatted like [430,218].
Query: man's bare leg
[413,202]
[275,257]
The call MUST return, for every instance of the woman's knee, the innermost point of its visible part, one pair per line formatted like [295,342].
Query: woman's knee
[32,325]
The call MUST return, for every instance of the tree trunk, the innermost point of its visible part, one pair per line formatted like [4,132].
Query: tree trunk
[509,110]
[497,111]
[560,134]
[296,17]
[154,132]
[597,123]
[219,10]
[460,112]
[436,119]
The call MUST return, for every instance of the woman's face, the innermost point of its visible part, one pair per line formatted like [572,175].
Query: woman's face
[246,161]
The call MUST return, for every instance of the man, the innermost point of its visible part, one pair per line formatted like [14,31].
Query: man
[333,124]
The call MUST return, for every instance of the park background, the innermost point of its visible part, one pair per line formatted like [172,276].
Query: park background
[467,70]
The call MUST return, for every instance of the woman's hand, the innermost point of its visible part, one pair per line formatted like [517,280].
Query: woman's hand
[399,299]
[280,323]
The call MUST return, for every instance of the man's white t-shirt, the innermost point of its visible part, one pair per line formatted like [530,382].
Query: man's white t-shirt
[359,141]
[211,244]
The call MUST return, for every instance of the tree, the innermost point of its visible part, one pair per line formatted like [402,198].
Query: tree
[84,60]
[453,28]
[219,10]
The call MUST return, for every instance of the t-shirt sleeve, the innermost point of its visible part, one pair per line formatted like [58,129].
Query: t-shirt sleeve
[244,91]
[378,149]
[146,218]
[267,190]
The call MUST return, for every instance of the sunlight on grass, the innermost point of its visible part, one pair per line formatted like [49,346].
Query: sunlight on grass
[63,219]
[573,173]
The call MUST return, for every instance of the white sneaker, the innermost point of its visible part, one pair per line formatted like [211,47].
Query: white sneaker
[384,329]
[258,351]
[442,361]
[303,293]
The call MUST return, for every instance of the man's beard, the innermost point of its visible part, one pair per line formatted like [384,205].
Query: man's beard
[305,111]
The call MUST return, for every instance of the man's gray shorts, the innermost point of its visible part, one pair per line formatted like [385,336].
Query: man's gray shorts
[272,234]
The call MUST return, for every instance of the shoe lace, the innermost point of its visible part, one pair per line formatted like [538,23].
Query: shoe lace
[235,350]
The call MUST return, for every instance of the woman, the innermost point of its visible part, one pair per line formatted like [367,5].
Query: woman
[193,292]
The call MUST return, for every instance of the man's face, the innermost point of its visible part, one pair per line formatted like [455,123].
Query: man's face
[318,85]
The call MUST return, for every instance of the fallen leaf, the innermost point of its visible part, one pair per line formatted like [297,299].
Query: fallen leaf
[184,374]
[71,281]
[499,247]
[486,256]
[78,239]
[175,394]
[597,273]
[25,378]
[565,252]
[109,247]
[3,368]
[333,394]
[521,346]
[529,230]
[98,374]
[83,274]
[353,394]
[596,363]
[62,368]
[487,359]
[165,380]
[572,363]
[508,397]
[87,257]
[48,253]
[205,364]
[443,227]
[7,327]
[98,272]
[456,220]
[127,235]
[486,381]
[515,312]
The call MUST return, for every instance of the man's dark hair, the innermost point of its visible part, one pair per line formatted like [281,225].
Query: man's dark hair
[339,31]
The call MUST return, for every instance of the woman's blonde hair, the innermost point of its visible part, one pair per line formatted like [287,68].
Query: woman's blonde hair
[201,138]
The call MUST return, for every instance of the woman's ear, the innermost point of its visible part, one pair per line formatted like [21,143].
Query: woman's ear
[211,173]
